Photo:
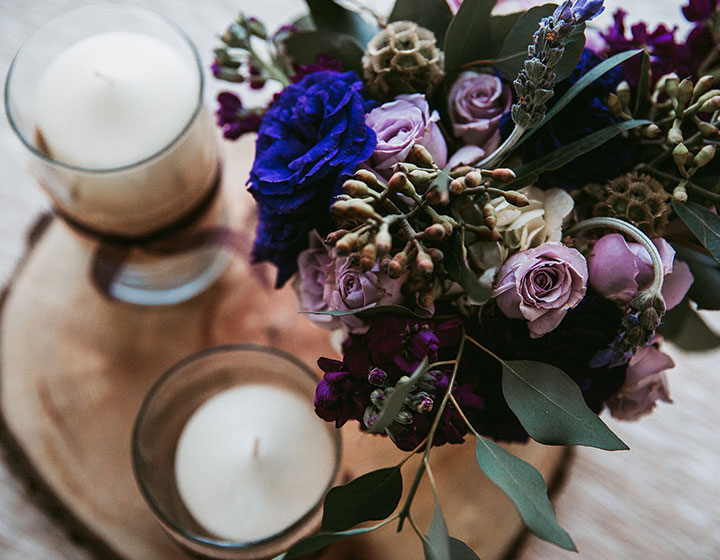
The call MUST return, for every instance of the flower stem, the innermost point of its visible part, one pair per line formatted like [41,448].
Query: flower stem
[504,148]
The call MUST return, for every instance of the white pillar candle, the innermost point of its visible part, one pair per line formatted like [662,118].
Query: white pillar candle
[111,101]
[253,460]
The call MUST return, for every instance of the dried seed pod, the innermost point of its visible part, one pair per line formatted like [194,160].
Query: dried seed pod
[460,171]
[421,178]
[354,208]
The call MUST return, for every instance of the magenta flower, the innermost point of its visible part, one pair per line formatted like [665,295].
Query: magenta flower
[541,285]
[619,269]
[645,384]
[402,123]
[476,103]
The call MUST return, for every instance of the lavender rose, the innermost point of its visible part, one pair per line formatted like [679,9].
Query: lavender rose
[645,384]
[329,283]
[619,269]
[402,123]
[476,103]
[541,285]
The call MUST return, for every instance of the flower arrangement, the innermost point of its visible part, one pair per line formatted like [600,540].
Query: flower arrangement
[497,213]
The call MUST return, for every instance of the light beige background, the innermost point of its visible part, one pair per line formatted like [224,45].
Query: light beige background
[660,501]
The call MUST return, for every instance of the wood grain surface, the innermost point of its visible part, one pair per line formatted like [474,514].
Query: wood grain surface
[658,501]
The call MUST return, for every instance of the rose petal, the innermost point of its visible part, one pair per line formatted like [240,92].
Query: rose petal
[613,268]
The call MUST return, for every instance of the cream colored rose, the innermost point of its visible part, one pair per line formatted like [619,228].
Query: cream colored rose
[524,228]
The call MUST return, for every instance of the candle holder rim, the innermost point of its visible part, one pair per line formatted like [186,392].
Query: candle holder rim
[120,168]
[171,372]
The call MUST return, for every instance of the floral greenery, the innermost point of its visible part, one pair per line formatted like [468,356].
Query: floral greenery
[449,356]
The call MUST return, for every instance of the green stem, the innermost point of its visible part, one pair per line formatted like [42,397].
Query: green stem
[504,148]
[697,189]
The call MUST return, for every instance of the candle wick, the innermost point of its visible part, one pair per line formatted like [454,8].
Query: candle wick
[256,448]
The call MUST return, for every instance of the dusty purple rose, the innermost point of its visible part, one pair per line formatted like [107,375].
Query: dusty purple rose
[476,103]
[402,123]
[645,384]
[326,282]
[619,269]
[541,285]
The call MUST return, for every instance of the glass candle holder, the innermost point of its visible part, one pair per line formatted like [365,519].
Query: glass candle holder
[230,456]
[109,102]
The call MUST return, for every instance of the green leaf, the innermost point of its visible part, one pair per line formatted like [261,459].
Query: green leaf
[457,268]
[551,408]
[318,541]
[437,544]
[396,400]
[642,93]
[573,51]
[304,47]
[686,328]
[515,46]
[370,497]
[442,181]
[369,312]
[467,33]
[434,15]
[528,173]
[305,23]
[330,16]
[706,271]
[500,27]
[577,88]
[460,551]
[525,486]
[704,224]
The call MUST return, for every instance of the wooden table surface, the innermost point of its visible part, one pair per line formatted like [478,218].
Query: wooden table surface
[661,500]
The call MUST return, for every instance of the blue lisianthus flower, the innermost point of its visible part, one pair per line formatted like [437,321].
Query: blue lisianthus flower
[312,137]
[585,114]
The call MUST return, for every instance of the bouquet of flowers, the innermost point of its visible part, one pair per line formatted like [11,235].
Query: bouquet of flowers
[496,211]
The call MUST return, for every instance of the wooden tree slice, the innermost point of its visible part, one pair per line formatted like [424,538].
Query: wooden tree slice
[75,367]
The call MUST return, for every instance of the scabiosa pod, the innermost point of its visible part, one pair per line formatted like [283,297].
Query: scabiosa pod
[644,312]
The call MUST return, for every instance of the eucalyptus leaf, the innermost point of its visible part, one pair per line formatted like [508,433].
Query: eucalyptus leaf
[705,289]
[442,181]
[396,400]
[528,173]
[525,486]
[457,268]
[578,87]
[305,46]
[318,541]
[704,224]
[467,33]
[434,15]
[514,49]
[642,92]
[370,497]
[684,327]
[437,544]
[551,407]
[331,16]
[368,312]
[305,23]
[500,27]
[460,551]
[573,51]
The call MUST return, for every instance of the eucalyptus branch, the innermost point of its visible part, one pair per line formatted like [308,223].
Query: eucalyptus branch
[694,187]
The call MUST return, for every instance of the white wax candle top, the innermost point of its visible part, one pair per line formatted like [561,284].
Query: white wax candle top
[252,460]
[114,99]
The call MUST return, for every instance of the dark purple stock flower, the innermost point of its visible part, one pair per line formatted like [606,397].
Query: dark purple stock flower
[233,119]
[313,136]
[699,10]
[323,61]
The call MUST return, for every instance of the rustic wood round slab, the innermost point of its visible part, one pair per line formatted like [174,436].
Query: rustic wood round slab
[74,368]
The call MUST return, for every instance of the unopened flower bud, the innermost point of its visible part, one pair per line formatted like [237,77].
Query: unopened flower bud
[421,156]
[460,171]
[614,104]
[369,417]
[397,266]
[335,236]
[473,179]
[368,256]
[711,105]
[435,232]
[623,92]
[489,215]
[399,183]
[354,209]
[421,178]
[347,244]
[377,377]
[503,175]
[424,403]
[424,263]
[671,86]
[680,194]
[484,233]
[681,155]
[426,299]
[707,130]
[404,417]
[457,186]
[355,188]
[684,94]
[702,87]
[383,240]
[377,397]
[650,131]
[516,198]
[436,255]
[369,178]
[675,135]
[704,156]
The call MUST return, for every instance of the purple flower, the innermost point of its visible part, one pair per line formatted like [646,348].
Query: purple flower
[541,285]
[233,118]
[341,394]
[699,10]
[323,61]
[619,269]
[644,385]
[584,10]
[476,103]
[313,136]
[402,123]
